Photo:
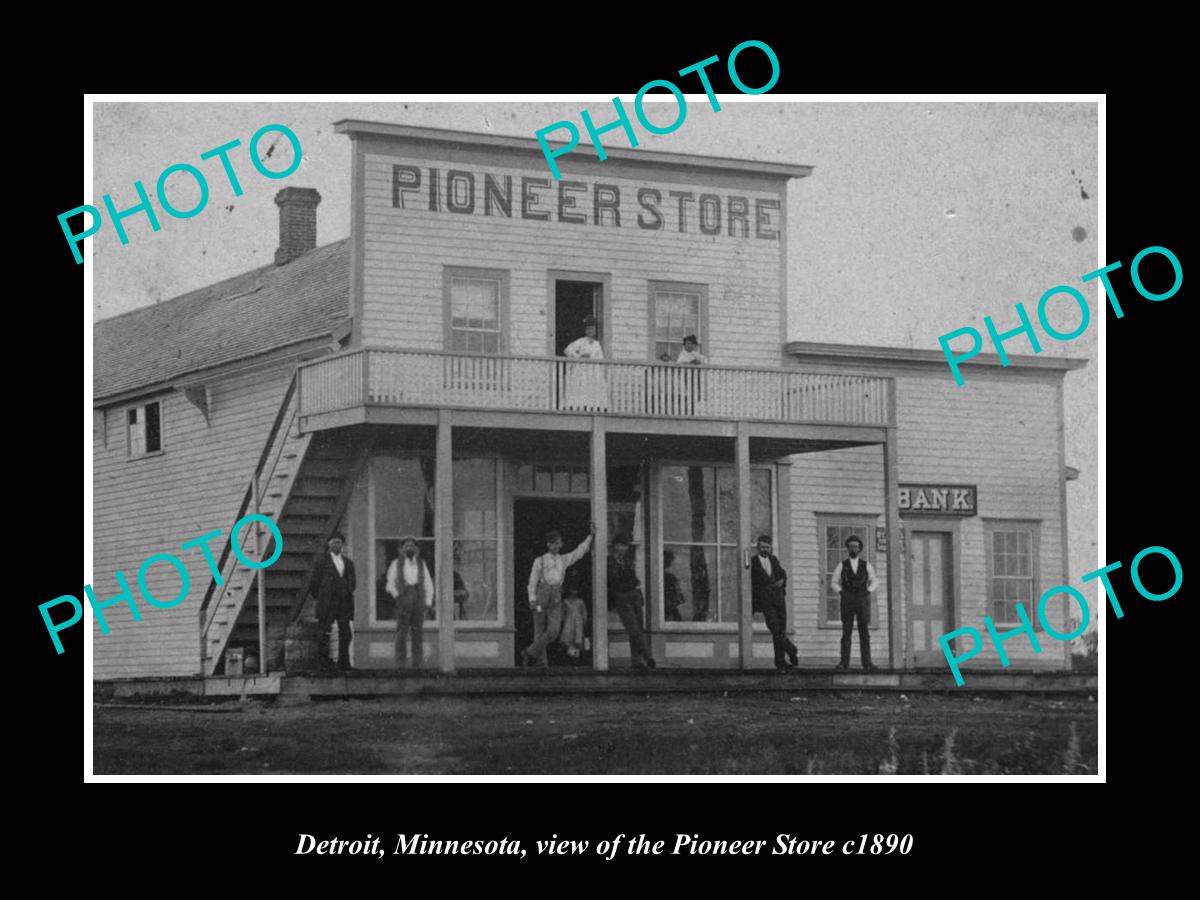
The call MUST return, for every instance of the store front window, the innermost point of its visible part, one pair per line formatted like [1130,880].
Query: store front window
[702,558]
[402,492]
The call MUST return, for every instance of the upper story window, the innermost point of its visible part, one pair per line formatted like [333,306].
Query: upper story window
[143,427]
[476,304]
[676,310]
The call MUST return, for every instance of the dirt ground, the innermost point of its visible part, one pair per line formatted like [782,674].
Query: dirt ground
[699,734]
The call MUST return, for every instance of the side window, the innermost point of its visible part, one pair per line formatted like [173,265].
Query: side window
[1012,554]
[143,428]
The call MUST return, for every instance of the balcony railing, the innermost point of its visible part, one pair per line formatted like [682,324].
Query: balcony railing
[380,377]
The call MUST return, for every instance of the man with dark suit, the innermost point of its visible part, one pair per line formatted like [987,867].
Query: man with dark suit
[625,596]
[332,582]
[768,584]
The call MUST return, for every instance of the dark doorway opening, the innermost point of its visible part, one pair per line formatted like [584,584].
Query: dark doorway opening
[532,518]
[573,302]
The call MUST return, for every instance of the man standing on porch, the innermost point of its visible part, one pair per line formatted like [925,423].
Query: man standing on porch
[855,578]
[332,582]
[768,582]
[545,593]
[625,594]
[409,582]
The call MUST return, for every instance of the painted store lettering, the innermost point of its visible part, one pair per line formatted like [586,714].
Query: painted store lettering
[952,499]
[1026,328]
[465,192]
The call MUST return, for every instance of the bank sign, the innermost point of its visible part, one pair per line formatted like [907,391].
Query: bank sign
[939,499]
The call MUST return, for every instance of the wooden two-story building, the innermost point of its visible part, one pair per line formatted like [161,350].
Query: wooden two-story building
[410,380]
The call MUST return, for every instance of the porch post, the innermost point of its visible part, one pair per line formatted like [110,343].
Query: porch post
[745,614]
[443,530]
[599,546]
[891,507]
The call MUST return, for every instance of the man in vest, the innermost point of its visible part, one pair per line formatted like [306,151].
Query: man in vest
[545,593]
[855,579]
[409,582]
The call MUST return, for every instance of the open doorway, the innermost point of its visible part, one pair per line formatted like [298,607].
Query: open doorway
[532,518]
[573,302]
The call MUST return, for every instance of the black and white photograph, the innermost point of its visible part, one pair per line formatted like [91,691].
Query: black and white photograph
[520,438]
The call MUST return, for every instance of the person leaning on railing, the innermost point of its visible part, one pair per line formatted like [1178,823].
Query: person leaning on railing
[691,352]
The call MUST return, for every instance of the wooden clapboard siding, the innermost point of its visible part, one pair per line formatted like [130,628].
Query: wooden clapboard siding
[405,251]
[850,482]
[1000,434]
[153,505]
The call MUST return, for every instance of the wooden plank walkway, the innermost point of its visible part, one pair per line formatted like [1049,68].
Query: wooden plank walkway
[484,682]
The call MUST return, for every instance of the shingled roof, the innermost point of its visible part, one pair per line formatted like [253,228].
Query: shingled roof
[243,316]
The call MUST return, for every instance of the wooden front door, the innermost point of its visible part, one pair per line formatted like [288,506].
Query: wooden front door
[931,574]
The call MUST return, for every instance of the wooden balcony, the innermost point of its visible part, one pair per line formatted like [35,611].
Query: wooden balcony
[405,378]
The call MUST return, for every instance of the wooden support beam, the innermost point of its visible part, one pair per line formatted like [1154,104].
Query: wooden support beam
[741,457]
[443,529]
[599,546]
[891,507]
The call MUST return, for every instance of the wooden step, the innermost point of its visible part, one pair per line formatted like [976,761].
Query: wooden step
[320,507]
[309,486]
[287,580]
[290,562]
[302,526]
[332,450]
[307,544]
[326,468]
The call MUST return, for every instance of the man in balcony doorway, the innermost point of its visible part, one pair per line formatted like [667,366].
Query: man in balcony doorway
[768,584]
[625,594]
[409,583]
[545,593]
[855,579]
[332,582]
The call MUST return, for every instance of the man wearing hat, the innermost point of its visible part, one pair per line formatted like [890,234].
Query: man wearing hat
[332,582]
[546,577]
[768,581]
[625,594]
[408,581]
[691,352]
[855,579]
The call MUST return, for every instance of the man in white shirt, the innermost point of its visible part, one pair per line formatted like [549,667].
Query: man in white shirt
[545,593]
[409,583]
[855,579]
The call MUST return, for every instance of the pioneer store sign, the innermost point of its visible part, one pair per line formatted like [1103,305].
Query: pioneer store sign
[473,193]
[939,499]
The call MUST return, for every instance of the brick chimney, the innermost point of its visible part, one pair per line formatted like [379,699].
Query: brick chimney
[297,223]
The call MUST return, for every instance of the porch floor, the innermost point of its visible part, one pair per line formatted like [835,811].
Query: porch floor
[482,682]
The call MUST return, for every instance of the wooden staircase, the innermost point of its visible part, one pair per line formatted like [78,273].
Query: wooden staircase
[302,483]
